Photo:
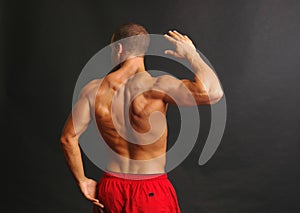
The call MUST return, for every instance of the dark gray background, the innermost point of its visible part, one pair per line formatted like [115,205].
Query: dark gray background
[254,47]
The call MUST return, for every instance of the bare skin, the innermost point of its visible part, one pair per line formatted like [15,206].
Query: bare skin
[149,107]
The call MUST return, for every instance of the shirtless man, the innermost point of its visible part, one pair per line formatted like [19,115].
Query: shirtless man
[119,190]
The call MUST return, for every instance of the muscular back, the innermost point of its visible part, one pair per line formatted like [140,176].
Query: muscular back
[129,107]
[131,120]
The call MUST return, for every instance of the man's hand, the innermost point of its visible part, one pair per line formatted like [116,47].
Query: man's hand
[205,88]
[88,188]
[184,47]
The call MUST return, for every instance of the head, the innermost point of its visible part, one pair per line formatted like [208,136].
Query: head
[128,41]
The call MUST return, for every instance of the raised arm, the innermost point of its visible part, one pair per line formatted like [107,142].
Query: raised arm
[205,88]
[76,124]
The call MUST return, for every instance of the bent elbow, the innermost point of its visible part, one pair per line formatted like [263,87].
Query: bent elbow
[216,97]
[65,140]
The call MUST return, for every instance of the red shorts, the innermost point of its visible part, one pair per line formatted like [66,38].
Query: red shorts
[131,193]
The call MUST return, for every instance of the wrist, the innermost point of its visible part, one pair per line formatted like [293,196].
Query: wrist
[191,56]
[81,180]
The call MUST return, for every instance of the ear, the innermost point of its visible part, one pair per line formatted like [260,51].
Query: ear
[120,50]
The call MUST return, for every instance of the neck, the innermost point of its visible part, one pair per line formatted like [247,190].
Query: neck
[132,66]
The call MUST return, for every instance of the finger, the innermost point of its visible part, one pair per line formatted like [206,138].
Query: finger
[98,204]
[92,199]
[170,39]
[185,36]
[178,34]
[174,35]
[170,52]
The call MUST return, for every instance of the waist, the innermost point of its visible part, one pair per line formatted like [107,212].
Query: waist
[134,177]
[119,164]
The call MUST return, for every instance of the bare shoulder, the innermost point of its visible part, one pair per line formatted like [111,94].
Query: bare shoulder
[91,88]
[165,82]
[142,80]
[158,87]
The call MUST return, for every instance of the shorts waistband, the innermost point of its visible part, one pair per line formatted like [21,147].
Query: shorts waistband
[134,177]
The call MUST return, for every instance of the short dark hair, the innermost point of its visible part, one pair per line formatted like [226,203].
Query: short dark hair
[137,41]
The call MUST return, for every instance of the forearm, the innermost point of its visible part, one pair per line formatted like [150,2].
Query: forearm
[204,75]
[73,157]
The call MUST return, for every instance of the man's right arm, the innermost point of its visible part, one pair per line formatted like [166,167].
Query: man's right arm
[205,89]
[76,124]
